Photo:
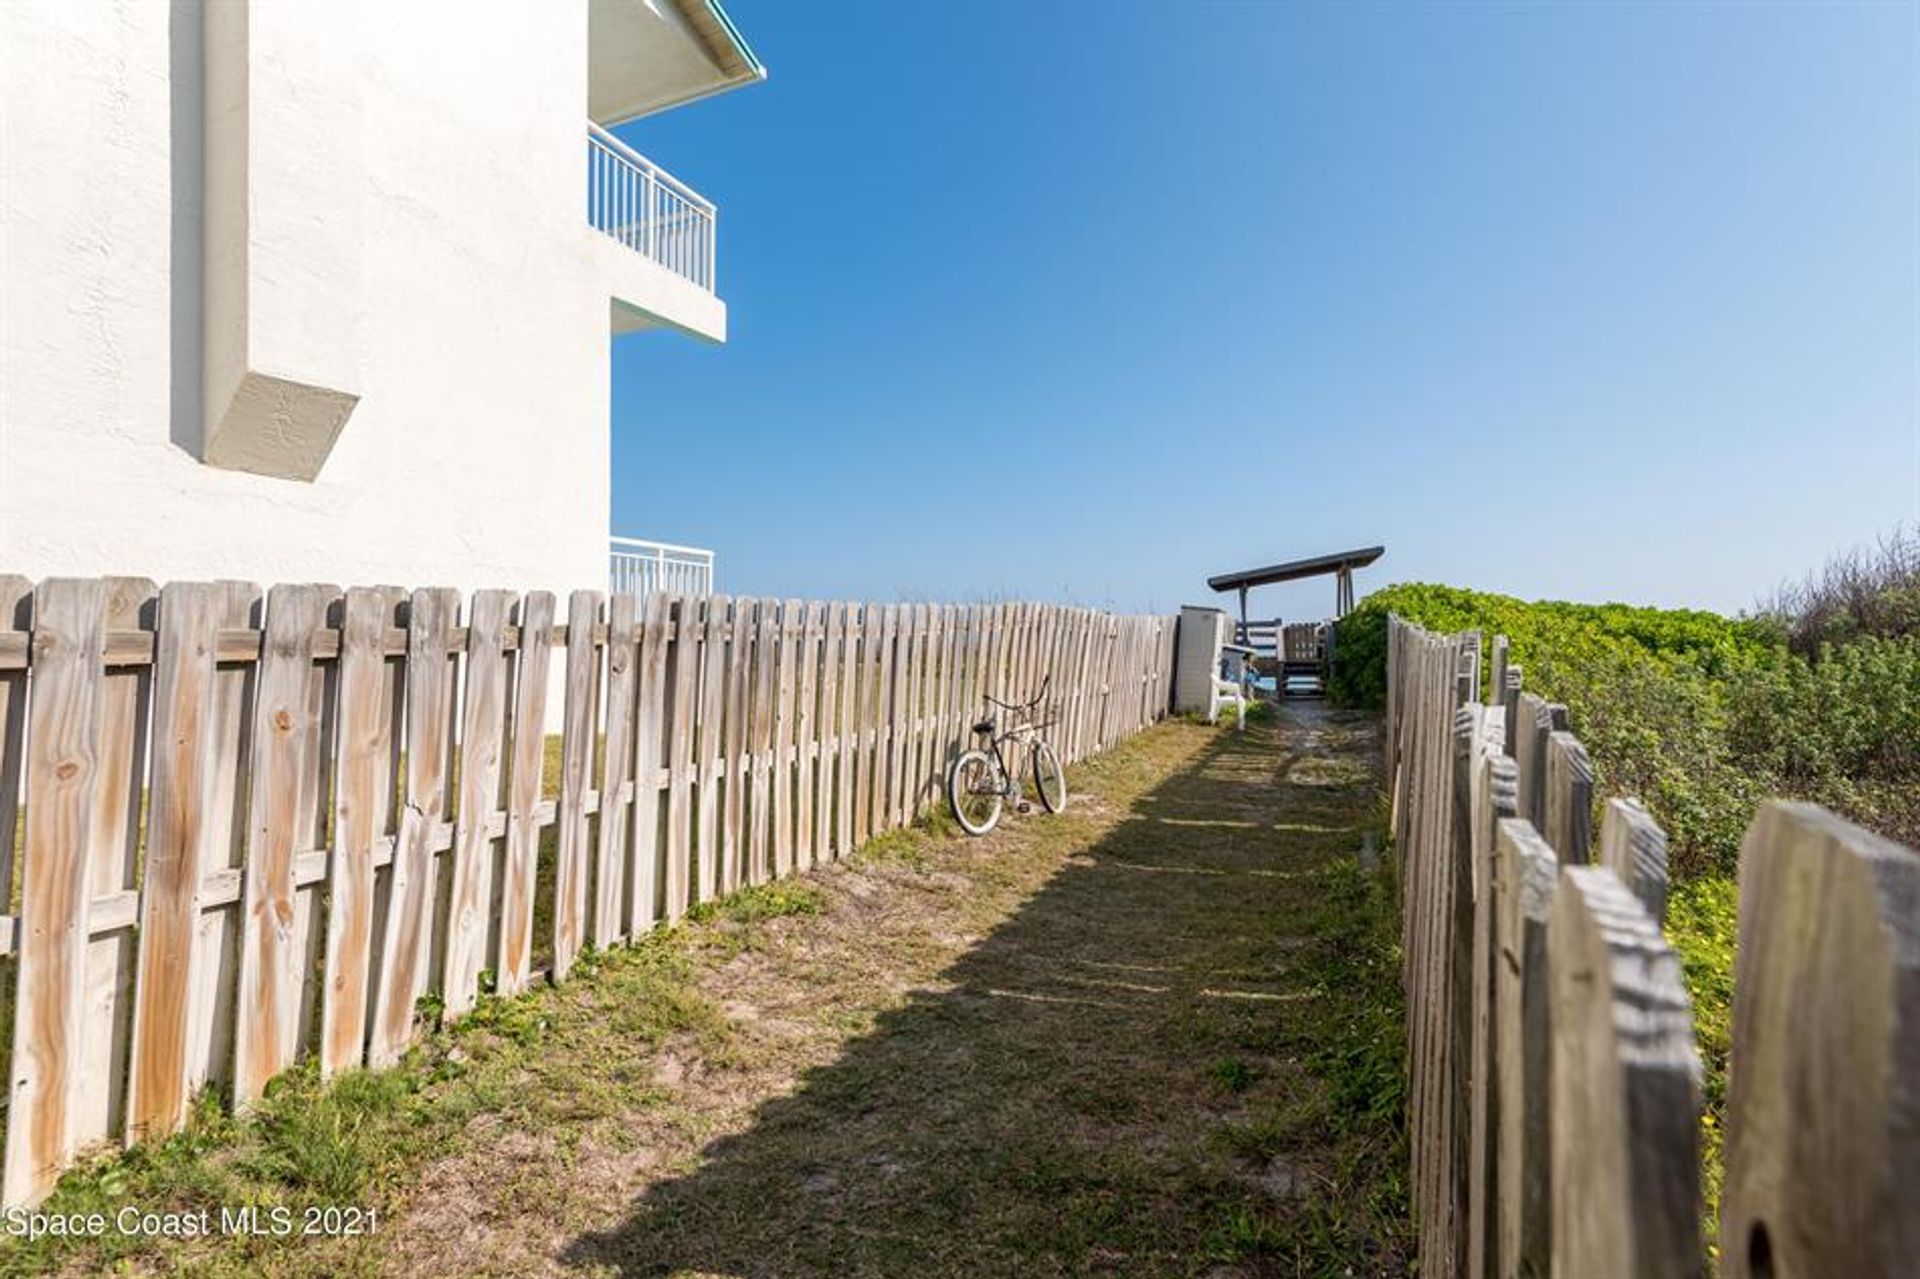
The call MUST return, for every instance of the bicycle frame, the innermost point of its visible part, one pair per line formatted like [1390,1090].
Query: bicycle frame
[1009,778]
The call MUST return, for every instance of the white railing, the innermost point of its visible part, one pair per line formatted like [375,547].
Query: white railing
[647,209]
[640,567]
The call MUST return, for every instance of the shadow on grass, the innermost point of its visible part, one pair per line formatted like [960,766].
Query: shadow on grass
[1147,1069]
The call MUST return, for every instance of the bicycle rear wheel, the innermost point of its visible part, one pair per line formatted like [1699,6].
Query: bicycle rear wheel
[1049,778]
[973,791]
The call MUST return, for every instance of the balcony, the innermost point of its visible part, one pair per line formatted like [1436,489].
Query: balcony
[640,567]
[636,202]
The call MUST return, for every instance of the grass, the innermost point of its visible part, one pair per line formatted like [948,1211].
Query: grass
[359,1140]
[1154,1035]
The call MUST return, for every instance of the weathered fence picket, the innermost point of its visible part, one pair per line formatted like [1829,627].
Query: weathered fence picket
[1554,1081]
[346,809]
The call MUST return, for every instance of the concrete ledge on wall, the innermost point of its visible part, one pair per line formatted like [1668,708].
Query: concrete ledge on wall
[273,426]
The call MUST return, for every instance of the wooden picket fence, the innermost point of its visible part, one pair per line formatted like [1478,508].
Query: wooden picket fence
[1554,1081]
[245,831]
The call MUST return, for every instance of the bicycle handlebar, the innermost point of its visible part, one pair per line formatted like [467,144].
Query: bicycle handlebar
[1027,705]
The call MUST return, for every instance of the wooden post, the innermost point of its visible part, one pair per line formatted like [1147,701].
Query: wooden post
[1823,1112]
[519,877]
[1510,702]
[483,725]
[646,896]
[1527,873]
[1497,800]
[709,715]
[268,1004]
[1568,799]
[69,642]
[1634,848]
[739,712]
[432,613]
[1625,1091]
[178,847]
[616,774]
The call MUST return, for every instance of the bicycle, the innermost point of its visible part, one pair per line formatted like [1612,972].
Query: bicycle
[979,784]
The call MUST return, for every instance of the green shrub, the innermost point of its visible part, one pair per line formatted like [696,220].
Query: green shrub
[1701,716]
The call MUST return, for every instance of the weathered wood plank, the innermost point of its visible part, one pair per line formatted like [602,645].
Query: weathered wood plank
[807,735]
[183,755]
[683,685]
[886,725]
[483,733]
[1497,800]
[848,729]
[866,710]
[646,895]
[760,742]
[1823,1107]
[16,606]
[432,613]
[780,760]
[709,729]
[113,837]
[1625,1120]
[940,740]
[1530,754]
[1510,707]
[1528,873]
[829,729]
[212,1016]
[1633,847]
[738,713]
[914,649]
[364,747]
[525,773]
[1568,799]
[267,1006]
[616,774]
[578,724]
[63,734]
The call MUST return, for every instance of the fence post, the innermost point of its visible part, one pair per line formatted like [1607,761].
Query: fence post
[1823,1136]
[1510,703]
[1568,800]
[1527,871]
[1496,802]
[1625,1091]
[1633,847]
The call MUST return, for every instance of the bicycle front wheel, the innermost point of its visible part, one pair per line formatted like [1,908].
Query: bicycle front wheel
[974,791]
[1049,778]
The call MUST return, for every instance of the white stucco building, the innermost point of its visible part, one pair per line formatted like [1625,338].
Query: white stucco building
[325,290]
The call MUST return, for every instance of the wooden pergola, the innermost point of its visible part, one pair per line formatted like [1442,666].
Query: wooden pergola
[1340,564]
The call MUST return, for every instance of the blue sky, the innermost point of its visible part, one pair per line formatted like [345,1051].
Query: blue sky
[1089,299]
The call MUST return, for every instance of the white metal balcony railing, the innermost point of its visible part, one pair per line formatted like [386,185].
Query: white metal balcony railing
[639,567]
[640,204]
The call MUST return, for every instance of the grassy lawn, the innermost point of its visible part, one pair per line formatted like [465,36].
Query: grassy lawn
[1156,1035]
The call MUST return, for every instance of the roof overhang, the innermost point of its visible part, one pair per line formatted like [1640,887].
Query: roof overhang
[1316,566]
[647,55]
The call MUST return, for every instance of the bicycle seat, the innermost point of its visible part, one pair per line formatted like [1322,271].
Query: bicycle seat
[984,726]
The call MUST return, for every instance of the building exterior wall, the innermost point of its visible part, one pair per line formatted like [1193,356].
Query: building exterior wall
[477,328]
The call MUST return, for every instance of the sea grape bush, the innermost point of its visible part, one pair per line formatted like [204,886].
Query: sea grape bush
[1699,715]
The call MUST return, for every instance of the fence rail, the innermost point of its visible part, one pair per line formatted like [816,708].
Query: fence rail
[1554,1081]
[640,204]
[246,831]
[639,567]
